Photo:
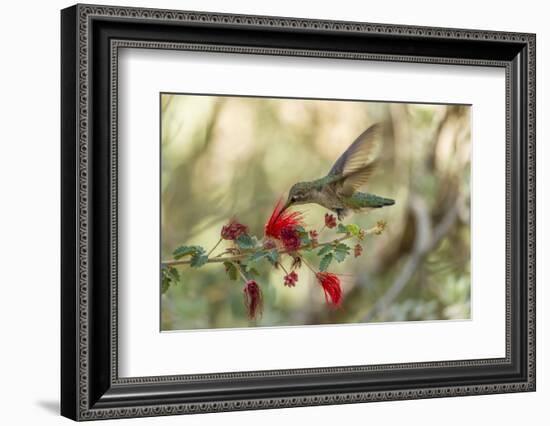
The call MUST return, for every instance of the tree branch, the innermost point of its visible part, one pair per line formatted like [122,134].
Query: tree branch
[427,238]
[220,258]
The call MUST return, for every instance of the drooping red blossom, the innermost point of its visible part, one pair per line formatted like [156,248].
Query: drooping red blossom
[233,230]
[291,279]
[332,288]
[330,220]
[281,219]
[357,250]
[313,237]
[253,299]
[290,238]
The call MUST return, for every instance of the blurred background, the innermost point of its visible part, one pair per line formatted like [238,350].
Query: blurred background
[225,157]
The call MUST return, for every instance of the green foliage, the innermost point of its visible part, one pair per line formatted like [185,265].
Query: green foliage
[338,252]
[304,236]
[197,253]
[341,251]
[273,257]
[199,259]
[231,270]
[169,275]
[351,229]
[354,230]
[183,251]
[257,256]
[325,262]
[341,229]
[245,241]
[324,250]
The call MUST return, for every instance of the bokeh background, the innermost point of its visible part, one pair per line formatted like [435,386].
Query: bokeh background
[224,157]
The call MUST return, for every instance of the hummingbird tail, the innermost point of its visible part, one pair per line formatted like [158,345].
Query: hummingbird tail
[387,202]
[361,200]
[375,201]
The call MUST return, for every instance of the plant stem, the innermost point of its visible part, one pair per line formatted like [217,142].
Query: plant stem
[241,273]
[242,255]
[214,248]
[284,269]
[309,266]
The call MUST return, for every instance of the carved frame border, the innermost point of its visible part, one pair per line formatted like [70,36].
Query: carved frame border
[85,13]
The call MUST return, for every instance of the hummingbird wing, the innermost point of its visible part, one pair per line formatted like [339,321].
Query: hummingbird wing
[358,162]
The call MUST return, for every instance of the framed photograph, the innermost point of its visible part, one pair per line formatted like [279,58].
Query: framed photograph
[263,212]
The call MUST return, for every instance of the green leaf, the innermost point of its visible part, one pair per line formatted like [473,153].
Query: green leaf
[165,284]
[304,239]
[255,257]
[182,251]
[198,260]
[253,271]
[324,250]
[174,274]
[170,275]
[273,257]
[353,229]
[300,229]
[244,241]
[245,271]
[325,262]
[231,270]
[340,256]
[304,235]
[341,229]
[341,251]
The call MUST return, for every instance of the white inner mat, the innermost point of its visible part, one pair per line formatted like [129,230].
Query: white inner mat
[145,351]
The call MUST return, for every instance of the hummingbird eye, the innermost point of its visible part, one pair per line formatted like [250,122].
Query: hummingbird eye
[293,198]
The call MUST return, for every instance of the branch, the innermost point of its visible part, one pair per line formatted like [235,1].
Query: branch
[220,258]
[427,238]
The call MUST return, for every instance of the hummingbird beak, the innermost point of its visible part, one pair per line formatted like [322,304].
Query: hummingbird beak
[287,205]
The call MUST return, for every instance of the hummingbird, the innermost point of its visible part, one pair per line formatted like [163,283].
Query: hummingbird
[338,190]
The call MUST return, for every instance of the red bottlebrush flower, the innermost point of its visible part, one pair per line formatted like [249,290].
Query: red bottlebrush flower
[291,279]
[332,288]
[330,220]
[357,250]
[281,219]
[253,299]
[233,230]
[313,235]
[290,238]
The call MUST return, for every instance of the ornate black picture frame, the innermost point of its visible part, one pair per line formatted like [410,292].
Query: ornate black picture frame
[91,36]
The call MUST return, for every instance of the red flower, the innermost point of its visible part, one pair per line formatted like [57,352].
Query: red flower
[330,220]
[357,250]
[290,238]
[332,288]
[291,279]
[233,230]
[253,299]
[281,219]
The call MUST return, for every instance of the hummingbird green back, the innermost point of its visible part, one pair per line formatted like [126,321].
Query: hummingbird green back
[338,190]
